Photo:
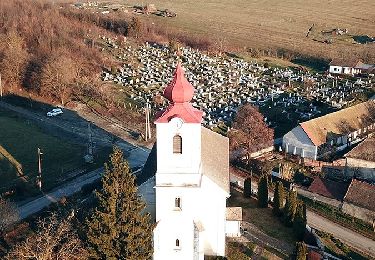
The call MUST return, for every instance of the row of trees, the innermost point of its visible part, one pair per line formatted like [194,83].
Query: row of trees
[286,205]
[291,210]
[117,228]
[44,52]
[48,54]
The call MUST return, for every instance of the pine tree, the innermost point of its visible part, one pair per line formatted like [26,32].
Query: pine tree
[290,208]
[263,192]
[117,228]
[285,209]
[299,224]
[247,188]
[278,200]
[301,251]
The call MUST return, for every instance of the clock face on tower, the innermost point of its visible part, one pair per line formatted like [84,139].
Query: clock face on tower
[177,122]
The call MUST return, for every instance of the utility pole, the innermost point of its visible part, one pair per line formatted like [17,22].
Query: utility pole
[89,157]
[39,177]
[148,127]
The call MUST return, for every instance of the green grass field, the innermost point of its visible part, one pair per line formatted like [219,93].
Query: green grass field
[19,140]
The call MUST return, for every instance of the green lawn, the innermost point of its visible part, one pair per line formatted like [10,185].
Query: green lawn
[19,140]
[262,218]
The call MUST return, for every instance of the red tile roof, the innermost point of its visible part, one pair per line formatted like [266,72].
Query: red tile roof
[179,93]
[364,151]
[361,194]
[328,188]
[341,122]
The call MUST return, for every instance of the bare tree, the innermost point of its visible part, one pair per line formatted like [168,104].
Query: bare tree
[14,61]
[54,239]
[8,214]
[249,131]
[59,77]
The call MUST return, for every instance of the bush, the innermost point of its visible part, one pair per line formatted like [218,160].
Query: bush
[247,188]
[301,251]
[263,192]
[278,200]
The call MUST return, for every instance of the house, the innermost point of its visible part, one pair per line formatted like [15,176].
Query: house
[360,161]
[233,221]
[342,66]
[349,67]
[190,169]
[328,188]
[359,201]
[333,132]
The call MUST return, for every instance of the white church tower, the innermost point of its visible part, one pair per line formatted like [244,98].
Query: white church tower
[192,179]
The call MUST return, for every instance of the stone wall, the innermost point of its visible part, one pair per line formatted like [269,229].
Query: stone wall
[361,213]
[360,169]
[317,197]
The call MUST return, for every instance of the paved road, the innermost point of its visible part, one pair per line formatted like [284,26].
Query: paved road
[349,237]
[137,158]
[364,244]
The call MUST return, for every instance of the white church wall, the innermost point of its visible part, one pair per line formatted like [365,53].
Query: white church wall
[177,226]
[189,160]
[206,205]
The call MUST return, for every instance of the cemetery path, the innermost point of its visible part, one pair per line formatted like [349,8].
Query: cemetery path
[256,235]
[359,242]
[137,157]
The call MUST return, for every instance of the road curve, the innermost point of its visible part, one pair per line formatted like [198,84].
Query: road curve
[357,241]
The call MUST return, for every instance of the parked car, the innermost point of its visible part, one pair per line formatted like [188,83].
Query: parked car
[54,112]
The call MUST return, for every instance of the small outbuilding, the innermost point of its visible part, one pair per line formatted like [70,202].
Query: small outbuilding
[233,221]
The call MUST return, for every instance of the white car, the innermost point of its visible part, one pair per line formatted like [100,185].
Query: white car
[54,112]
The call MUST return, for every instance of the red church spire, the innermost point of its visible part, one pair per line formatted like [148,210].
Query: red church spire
[179,92]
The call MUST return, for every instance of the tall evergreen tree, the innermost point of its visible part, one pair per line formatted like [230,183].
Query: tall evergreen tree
[299,223]
[290,208]
[285,209]
[263,192]
[118,228]
[247,188]
[301,251]
[278,199]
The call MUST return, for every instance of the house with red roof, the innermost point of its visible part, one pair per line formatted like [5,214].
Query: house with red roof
[359,201]
[330,133]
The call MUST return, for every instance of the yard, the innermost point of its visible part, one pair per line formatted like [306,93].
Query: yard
[263,219]
[19,140]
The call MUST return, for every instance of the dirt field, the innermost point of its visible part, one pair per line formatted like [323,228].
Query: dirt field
[275,24]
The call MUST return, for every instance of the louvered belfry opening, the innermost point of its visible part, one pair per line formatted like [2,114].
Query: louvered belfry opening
[177,144]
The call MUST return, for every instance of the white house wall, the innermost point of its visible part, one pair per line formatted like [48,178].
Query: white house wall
[232,228]
[335,69]
[297,142]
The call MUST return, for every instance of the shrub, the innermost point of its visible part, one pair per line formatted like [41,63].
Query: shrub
[263,192]
[247,188]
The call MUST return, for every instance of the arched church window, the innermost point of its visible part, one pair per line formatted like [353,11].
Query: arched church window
[177,202]
[177,144]
[177,243]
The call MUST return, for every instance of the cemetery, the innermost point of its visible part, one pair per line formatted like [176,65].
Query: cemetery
[285,96]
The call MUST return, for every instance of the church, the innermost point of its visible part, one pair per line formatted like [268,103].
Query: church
[189,169]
